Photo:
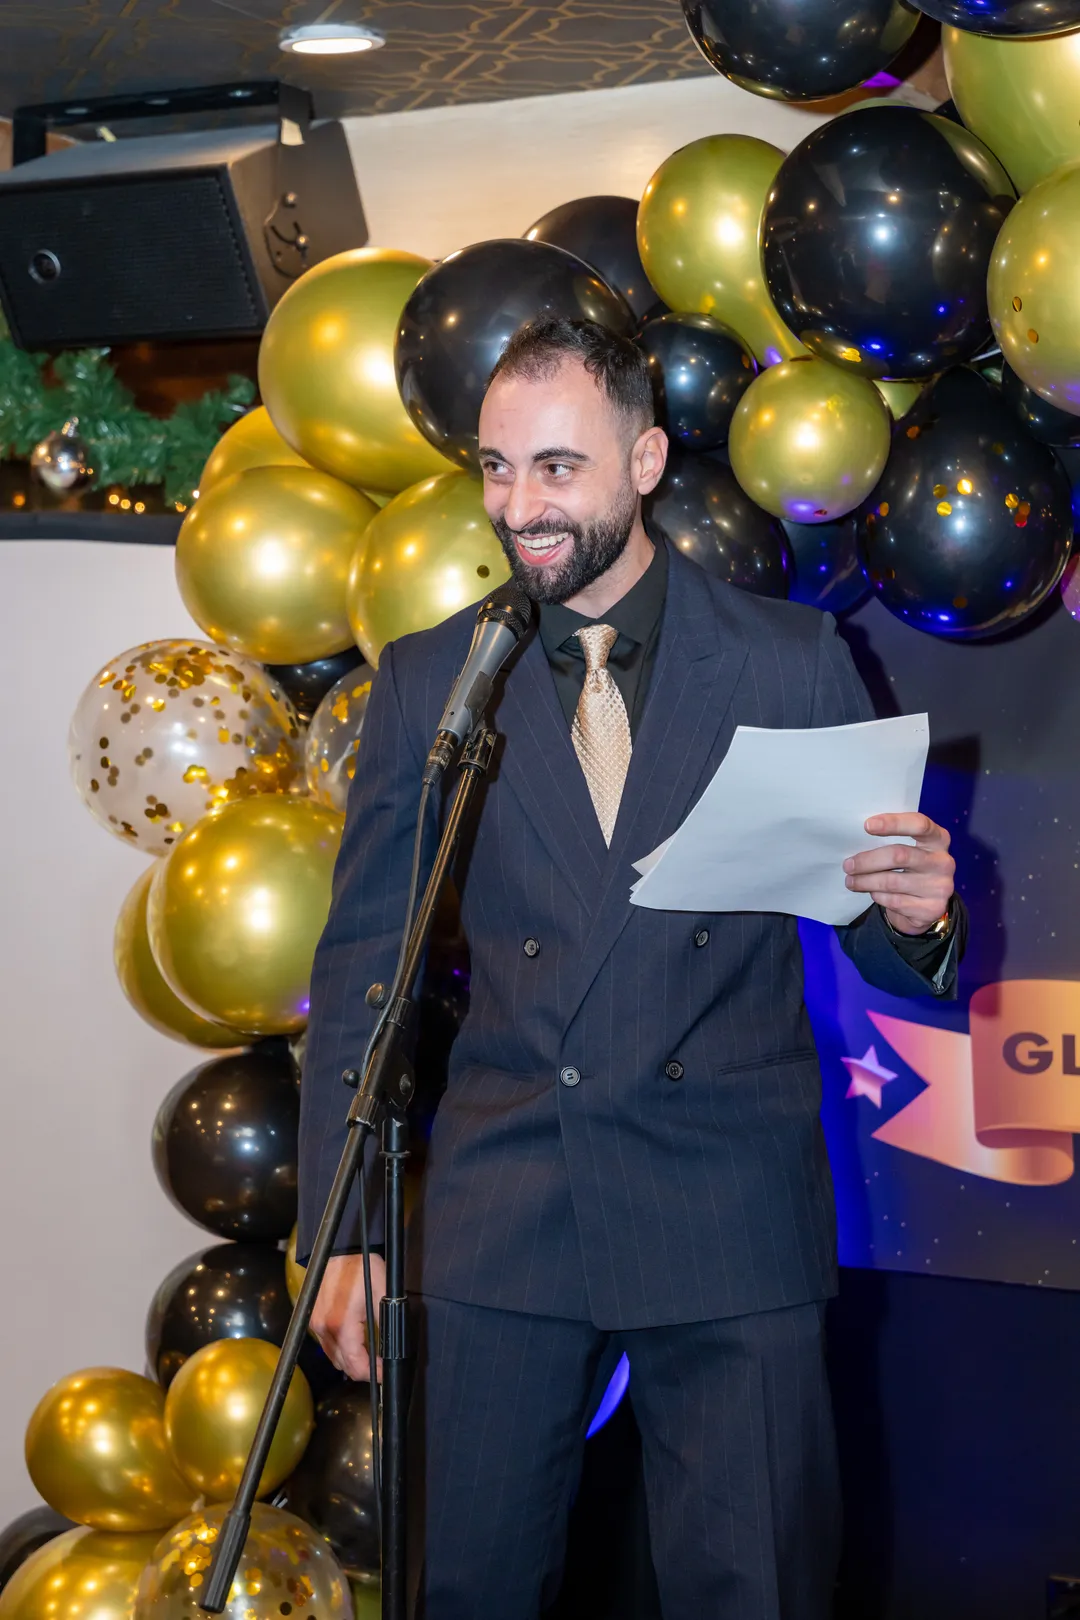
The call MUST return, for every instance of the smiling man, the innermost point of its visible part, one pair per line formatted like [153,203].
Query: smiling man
[629,1151]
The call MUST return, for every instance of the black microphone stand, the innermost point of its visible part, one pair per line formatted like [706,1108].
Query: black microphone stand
[386,1086]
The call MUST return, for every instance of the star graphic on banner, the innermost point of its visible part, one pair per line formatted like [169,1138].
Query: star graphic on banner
[868,1076]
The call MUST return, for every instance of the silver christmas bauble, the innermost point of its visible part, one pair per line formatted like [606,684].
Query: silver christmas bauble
[60,460]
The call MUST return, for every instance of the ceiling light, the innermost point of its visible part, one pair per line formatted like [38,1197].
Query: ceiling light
[330,39]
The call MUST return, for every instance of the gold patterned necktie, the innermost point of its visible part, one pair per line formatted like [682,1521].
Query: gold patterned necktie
[601,730]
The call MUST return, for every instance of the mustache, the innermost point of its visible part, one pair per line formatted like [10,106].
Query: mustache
[533,531]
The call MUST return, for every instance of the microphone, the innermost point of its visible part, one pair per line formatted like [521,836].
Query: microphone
[501,620]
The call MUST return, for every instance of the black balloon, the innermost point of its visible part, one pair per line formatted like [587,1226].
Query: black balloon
[602,231]
[827,570]
[877,237]
[1005,18]
[225,1143]
[1044,421]
[970,526]
[305,685]
[700,370]
[703,511]
[463,313]
[25,1535]
[799,50]
[332,1489]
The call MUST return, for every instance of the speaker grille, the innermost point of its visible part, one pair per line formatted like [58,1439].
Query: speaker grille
[109,262]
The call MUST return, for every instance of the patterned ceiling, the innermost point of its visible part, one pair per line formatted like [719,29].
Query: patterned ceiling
[438,52]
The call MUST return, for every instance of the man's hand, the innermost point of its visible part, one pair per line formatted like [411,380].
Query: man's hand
[913,883]
[339,1320]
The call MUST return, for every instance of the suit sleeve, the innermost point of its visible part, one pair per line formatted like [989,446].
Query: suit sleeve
[887,960]
[359,946]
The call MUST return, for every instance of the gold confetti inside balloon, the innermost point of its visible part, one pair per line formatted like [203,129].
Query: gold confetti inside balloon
[141,981]
[808,441]
[1020,96]
[333,738]
[698,236]
[262,560]
[213,1408]
[326,369]
[96,1451]
[173,729]
[236,911]
[79,1575]
[428,553]
[1033,288]
[286,1569]
[253,441]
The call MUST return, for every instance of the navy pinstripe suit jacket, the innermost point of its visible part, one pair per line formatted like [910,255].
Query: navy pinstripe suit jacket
[629,1198]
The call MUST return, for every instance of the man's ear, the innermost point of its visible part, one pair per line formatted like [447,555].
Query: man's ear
[648,459]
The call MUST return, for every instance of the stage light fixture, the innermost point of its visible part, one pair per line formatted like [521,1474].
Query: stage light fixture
[330,39]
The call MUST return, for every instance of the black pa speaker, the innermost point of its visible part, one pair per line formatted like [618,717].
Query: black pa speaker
[170,237]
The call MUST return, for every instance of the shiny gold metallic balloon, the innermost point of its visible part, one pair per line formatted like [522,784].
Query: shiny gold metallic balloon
[253,441]
[96,1451]
[367,1598]
[898,396]
[79,1575]
[294,1274]
[262,560]
[326,369]
[141,981]
[698,229]
[212,1410]
[1033,288]
[1019,96]
[171,730]
[428,553]
[808,441]
[333,738]
[286,1569]
[236,911]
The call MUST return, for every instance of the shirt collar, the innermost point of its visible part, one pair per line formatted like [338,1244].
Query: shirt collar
[635,615]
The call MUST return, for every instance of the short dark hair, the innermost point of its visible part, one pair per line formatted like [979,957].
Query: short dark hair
[616,365]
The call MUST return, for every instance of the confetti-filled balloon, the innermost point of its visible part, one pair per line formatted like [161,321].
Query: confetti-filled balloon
[96,1452]
[212,1411]
[333,1488]
[1019,96]
[703,512]
[235,918]
[141,981]
[1034,289]
[795,51]
[254,441]
[80,1575]
[173,729]
[286,1569]
[333,738]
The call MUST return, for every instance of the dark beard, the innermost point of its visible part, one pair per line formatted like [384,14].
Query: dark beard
[596,547]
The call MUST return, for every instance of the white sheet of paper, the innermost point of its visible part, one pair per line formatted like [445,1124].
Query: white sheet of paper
[781,815]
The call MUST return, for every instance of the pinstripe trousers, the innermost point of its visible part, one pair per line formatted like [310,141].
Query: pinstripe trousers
[738,1447]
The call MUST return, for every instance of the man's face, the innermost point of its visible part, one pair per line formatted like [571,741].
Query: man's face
[563,478]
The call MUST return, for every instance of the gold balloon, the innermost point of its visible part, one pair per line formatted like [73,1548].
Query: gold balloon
[379,496]
[286,1568]
[262,561]
[367,1598]
[808,441]
[212,1411]
[1033,288]
[698,234]
[141,981]
[326,369]
[898,396]
[79,1575]
[96,1451]
[236,911]
[253,441]
[428,553]
[1020,96]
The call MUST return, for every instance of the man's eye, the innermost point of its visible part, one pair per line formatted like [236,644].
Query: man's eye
[493,469]
[559,469]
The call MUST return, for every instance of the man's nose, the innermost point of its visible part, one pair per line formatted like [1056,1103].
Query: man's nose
[525,505]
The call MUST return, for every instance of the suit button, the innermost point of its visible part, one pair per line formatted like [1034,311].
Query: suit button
[531,947]
[674,1070]
[701,937]
[569,1076]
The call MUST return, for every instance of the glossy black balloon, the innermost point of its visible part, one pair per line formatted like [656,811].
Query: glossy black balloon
[1005,19]
[700,370]
[463,313]
[305,685]
[25,1535]
[602,231]
[799,50]
[225,1143]
[1043,421]
[827,571]
[332,1489]
[970,526]
[703,511]
[877,237]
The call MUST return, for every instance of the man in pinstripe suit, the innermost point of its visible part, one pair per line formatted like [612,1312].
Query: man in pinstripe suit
[629,1147]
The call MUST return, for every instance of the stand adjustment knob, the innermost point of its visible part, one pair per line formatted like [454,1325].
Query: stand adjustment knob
[378,995]
[351,1077]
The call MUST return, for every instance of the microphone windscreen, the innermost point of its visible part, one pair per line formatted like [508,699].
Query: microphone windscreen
[507,604]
